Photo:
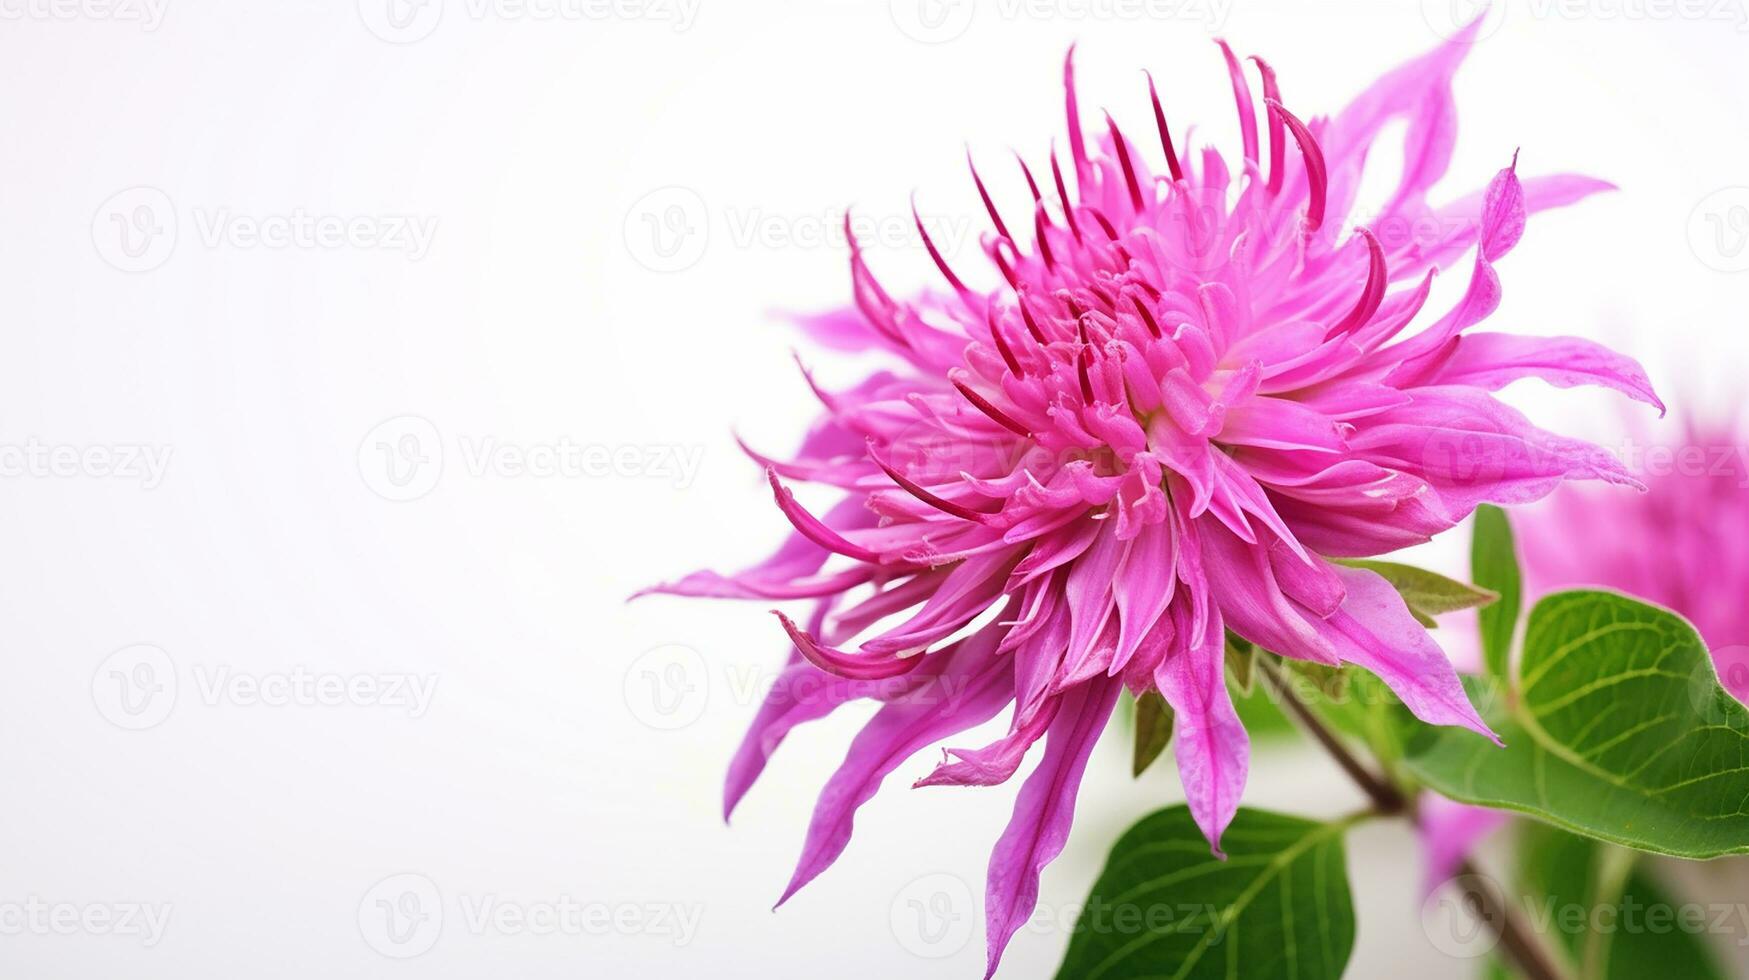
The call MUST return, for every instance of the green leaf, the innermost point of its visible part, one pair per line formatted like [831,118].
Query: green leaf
[1494,566]
[1561,880]
[1153,729]
[1427,594]
[1261,716]
[1164,906]
[1612,919]
[1664,942]
[1620,731]
[1241,661]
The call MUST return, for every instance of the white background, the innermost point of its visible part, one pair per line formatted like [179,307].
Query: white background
[540,310]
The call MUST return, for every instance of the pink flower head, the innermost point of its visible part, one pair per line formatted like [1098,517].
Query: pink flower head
[1663,546]
[1180,395]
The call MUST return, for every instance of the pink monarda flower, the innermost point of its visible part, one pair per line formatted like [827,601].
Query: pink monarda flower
[1185,392]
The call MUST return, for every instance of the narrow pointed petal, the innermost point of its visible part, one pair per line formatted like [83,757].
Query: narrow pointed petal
[1046,807]
[1212,749]
[973,688]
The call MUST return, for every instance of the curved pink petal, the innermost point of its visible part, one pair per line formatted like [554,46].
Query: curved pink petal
[1039,827]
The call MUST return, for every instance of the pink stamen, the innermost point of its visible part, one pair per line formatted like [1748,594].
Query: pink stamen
[843,664]
[1044,245]
[1316,176]
[812,528]
[1063,196]
[935,253]
[1277,138]
[945,506]
[1111,233]
[1165,134]
[1031,324]
[1242,99]
[1001,344]
[996,415]
[1077,143]
[1374,292]
[989,205]
[1004,264]
[1147,318]
[1031,184]
[1123,159]
[1084,360]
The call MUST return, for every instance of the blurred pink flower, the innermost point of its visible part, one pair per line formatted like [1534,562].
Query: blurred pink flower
[1677,545]
[1662,546]
[1183,395]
